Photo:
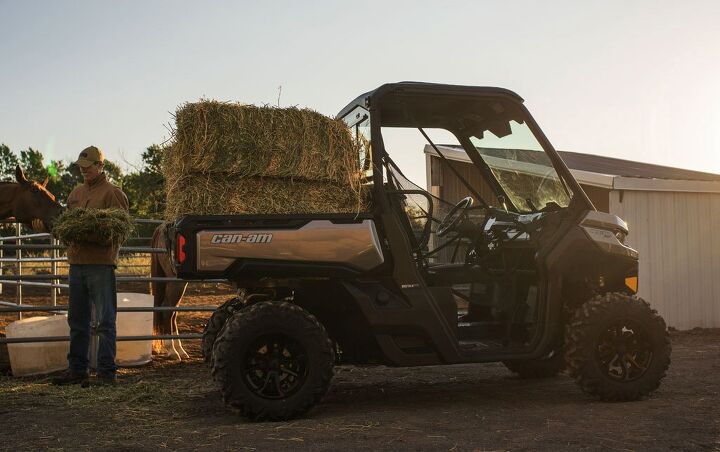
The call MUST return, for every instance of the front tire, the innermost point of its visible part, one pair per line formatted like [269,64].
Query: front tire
[273,361]
[617,347]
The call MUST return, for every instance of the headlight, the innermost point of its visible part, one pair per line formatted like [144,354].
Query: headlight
[608,232]
[621,236]
[610,241]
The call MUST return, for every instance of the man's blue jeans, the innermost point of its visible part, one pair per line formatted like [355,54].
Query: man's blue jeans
[92,286]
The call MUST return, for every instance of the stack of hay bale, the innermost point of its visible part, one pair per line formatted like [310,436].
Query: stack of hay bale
[243,159]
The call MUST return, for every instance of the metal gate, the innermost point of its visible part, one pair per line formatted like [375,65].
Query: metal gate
[53,280]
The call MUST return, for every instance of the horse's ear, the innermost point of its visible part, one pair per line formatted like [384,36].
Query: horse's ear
[45,182]
[20,176]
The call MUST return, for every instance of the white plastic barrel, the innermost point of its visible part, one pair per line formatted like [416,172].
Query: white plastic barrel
[130,353]
[38,357]
[134,353]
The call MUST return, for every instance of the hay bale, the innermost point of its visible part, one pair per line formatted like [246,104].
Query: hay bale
[105,227]
[248,141]
[203,195]
[244,159]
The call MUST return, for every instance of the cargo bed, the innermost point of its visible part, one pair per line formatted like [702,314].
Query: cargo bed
[249,247]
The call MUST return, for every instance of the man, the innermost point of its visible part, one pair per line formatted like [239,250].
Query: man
[92,277]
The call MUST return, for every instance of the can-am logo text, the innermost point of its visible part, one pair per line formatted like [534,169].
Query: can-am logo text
[241,238]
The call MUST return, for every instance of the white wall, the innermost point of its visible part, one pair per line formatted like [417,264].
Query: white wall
[677,237]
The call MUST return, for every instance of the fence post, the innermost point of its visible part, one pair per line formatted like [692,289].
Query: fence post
[53,270]
[18,258]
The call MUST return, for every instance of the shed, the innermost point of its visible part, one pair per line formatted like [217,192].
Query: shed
[672,214]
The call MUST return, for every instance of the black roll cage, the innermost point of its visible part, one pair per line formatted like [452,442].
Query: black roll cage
[381,99]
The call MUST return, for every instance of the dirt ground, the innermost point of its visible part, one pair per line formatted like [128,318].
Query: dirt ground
[175,406]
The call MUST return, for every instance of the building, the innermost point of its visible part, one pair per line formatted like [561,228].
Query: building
[672,216]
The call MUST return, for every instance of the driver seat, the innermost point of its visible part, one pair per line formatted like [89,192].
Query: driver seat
[453,273]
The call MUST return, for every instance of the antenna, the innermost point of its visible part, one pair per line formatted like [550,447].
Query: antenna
[279,94]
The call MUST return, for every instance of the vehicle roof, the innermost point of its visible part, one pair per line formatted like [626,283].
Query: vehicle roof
[425,88]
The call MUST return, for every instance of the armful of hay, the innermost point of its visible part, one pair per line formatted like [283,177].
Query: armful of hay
[101,227]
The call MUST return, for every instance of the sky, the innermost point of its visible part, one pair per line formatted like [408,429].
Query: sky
[636,80]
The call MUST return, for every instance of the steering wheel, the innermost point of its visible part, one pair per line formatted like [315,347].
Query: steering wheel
[454,217]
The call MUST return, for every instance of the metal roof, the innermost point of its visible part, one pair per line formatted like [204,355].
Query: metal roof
[616,167]
[629,168]
[612,173]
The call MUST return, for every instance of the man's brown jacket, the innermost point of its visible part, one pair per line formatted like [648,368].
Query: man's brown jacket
[100,194]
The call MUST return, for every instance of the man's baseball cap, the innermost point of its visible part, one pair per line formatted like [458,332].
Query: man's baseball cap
[90,155]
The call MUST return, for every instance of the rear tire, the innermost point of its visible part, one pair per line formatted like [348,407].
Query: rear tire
[617,347]
[546,367]
[273,361]
[216,323]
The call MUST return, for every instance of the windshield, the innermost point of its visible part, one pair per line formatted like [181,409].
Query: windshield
[522,168]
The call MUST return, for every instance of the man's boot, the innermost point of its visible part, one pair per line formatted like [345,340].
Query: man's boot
[107,378]
[70,378]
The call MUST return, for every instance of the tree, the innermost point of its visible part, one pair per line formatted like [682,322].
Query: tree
[8,162]
[113,172]
[64,177]
[152,159]
[144,187]
[31,161]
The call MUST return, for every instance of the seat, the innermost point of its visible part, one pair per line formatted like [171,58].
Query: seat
[448,274]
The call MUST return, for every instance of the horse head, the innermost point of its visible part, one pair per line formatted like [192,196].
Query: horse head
[32,200]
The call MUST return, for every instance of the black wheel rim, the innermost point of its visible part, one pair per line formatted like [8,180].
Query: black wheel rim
[624,351]
[275,366]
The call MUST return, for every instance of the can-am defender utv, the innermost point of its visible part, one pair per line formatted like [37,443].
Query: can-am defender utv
[521,270]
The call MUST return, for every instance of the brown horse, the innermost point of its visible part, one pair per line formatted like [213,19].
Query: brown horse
[26,200]
[165,294]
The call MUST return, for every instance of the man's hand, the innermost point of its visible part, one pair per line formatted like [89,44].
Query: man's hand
[38,225]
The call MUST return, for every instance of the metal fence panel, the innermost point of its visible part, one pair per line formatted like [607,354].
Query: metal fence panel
[52,281]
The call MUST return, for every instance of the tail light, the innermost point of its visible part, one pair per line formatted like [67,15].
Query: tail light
[181,256]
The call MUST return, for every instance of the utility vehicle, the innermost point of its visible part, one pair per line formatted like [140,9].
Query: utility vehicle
[521,270]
